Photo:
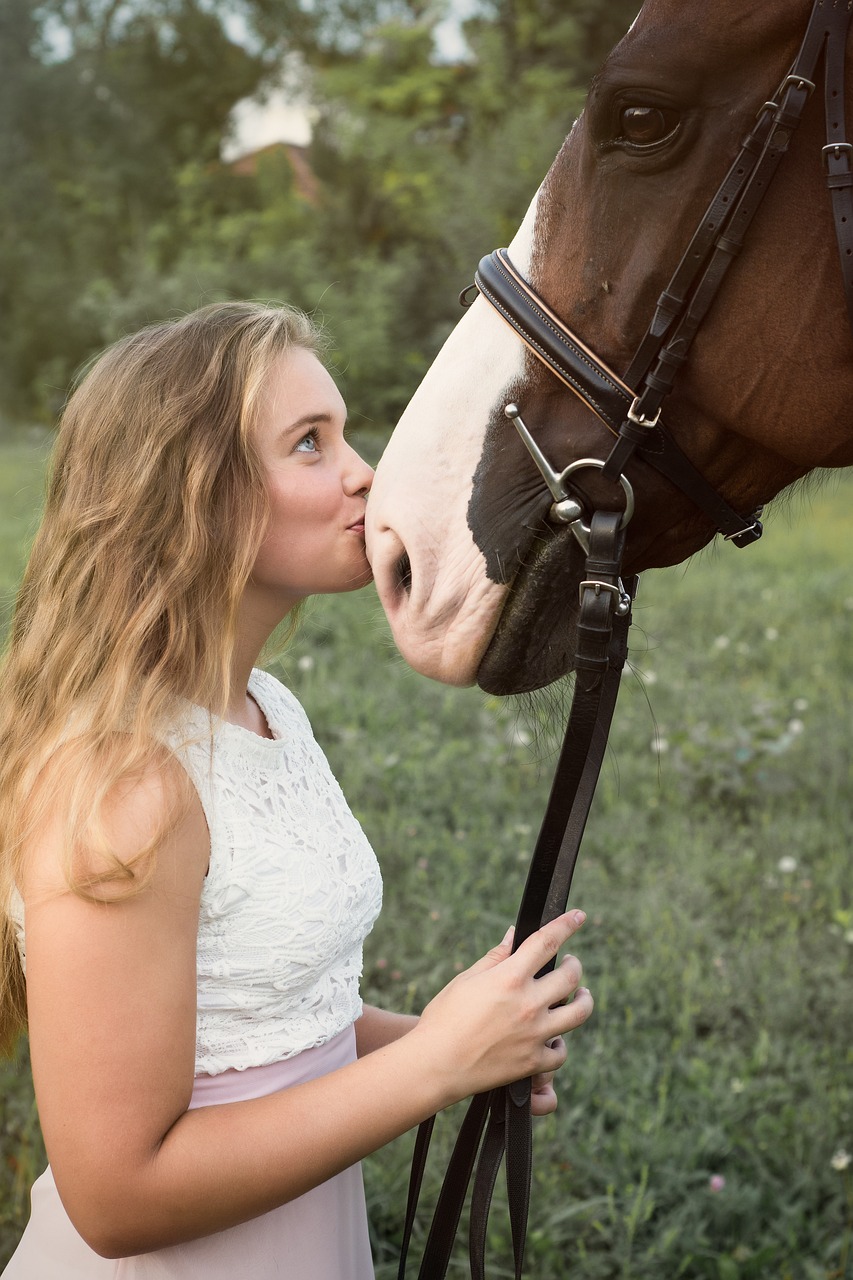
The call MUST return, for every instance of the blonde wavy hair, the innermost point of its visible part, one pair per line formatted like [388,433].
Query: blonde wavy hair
[155,511]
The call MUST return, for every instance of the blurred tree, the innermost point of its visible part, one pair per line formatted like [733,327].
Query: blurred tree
[441,159]
[115,209]
[92,148]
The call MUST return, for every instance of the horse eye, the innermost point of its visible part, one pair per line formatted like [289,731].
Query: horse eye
[646,126]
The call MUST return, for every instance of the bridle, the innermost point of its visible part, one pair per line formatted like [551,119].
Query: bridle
[631,407]
[498,1122]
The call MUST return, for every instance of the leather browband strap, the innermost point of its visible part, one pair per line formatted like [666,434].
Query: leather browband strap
[595,384]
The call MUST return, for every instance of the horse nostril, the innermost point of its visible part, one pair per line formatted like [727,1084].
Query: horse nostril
[404,573]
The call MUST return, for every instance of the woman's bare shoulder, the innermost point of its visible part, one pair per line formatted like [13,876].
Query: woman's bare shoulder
[145,826]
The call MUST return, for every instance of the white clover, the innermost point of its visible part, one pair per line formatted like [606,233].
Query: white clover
[519,737]
[787,865]
[305,663]
[841,1159]
[795,727]
[659,744]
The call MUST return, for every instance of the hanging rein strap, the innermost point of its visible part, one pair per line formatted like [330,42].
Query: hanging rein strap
[498,1122]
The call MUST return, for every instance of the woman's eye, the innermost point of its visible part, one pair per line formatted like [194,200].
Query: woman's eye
[646,126]
[308,443]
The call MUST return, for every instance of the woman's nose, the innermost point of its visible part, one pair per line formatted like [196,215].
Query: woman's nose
[359,474]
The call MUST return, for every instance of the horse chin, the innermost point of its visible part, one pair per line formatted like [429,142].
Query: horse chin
[534,642]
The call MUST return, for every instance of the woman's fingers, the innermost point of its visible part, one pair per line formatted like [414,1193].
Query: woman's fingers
[542,946]
[497,954]
[559,986]
[504,1023]
[537,950]
[543,1097]
[567,1017]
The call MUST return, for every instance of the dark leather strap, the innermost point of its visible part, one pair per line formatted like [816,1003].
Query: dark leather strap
[448,1209]
[596,384]
[503,1115]
[546,336]
[838,152]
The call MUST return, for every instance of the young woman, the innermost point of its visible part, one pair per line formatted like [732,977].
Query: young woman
[187,892]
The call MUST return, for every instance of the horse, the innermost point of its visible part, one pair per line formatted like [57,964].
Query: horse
[475,565]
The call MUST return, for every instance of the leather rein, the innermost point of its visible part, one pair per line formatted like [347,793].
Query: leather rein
[498,1123]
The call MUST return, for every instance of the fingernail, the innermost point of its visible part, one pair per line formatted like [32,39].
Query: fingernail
[507,936]
[578,917]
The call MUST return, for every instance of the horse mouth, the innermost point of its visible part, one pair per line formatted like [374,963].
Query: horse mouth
[534,641]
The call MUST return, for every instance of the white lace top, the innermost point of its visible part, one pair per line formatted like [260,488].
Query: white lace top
[292,891]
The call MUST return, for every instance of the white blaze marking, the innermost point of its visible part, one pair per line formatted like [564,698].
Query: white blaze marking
[420,498]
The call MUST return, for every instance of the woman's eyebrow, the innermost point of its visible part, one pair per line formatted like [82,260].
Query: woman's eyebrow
[308,420]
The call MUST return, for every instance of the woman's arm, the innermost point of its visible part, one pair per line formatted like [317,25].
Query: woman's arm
[111,991]
[378,1027]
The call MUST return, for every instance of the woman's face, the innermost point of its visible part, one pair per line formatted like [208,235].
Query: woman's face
[316,486]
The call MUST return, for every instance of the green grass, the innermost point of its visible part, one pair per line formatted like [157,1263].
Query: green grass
[719,944]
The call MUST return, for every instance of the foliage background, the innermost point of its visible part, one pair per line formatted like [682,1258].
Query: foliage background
[115,208]
[706,1102]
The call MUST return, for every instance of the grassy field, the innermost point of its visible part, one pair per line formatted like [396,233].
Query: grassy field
[706,1108]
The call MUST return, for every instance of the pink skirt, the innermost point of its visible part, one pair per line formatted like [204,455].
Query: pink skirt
[321,1236]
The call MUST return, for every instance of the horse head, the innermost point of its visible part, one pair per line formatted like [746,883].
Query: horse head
[479,584]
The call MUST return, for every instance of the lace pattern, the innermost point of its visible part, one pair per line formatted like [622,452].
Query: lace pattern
[292,890]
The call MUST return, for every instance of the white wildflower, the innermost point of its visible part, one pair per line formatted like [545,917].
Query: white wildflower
[305,663]
[787,865]
[841,1159]
[518,736]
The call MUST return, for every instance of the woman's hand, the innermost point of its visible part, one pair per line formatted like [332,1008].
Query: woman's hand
[498,1022]
[543,1097]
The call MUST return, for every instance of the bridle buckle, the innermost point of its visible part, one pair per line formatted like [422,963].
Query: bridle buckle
[836,149]
[639,419]
[621,598]
[800,82]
